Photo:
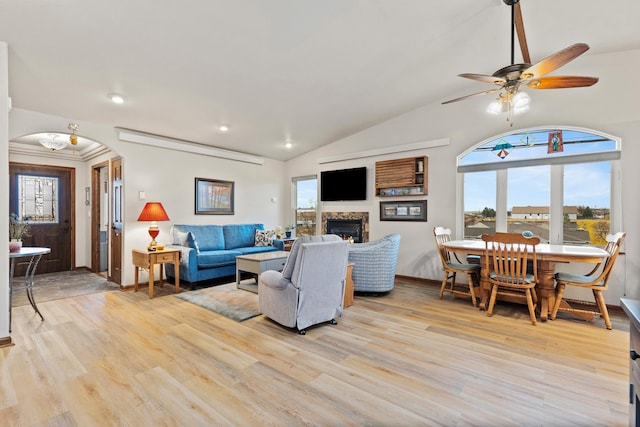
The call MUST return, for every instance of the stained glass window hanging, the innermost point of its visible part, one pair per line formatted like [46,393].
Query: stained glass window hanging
[38,199]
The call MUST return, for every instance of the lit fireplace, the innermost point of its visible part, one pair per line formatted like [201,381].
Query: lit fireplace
[346,228]
[347,224]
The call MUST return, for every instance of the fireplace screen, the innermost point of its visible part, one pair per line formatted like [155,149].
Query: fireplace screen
[346,228]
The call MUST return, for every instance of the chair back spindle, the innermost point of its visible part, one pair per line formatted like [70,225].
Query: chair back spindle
[507,258]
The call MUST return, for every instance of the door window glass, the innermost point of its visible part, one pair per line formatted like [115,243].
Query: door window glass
[38,199]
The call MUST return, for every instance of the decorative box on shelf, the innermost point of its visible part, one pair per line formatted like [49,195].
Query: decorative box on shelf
[402,177]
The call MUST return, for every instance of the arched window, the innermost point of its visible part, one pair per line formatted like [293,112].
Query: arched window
[562,184]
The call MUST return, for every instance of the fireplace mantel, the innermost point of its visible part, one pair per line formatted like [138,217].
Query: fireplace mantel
[363,216]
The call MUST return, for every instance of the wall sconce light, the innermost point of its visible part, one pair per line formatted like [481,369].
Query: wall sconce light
[87,196]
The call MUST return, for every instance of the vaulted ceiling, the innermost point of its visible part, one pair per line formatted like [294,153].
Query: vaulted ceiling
[305,71]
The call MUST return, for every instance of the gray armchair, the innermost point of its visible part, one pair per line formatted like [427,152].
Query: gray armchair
[375,264]
[310,288]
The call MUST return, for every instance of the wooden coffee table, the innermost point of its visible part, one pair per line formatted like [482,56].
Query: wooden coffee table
[260,262]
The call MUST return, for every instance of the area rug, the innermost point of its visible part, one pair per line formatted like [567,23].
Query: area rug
[65,284]
[226,300]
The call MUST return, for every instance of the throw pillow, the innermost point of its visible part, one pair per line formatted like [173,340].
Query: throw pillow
[264,238]
[186,239]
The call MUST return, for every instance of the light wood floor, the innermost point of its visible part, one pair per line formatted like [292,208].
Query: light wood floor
[405,359]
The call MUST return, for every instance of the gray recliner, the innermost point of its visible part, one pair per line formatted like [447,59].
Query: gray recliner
[310,288]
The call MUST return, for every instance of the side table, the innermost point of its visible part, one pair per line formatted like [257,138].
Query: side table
[147,260]
[35,254]
[348,286]
[288,243]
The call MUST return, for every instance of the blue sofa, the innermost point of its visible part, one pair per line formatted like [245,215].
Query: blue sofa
[209,251]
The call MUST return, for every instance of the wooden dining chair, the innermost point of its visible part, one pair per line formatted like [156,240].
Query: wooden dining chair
[452,266]
[594,281]
[506,258]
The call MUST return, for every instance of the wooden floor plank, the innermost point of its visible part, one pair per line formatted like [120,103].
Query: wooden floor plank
[405,358]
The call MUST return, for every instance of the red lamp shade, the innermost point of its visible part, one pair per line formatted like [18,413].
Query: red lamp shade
[153,211]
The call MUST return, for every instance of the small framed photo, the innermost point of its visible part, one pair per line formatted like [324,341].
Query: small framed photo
[403,211]
[214,197]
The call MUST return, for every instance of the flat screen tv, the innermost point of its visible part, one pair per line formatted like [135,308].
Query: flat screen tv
[343,184]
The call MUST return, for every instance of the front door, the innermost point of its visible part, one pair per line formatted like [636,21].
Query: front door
[44,196]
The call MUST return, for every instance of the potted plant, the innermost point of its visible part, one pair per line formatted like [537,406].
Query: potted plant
[287,231]
[17,230]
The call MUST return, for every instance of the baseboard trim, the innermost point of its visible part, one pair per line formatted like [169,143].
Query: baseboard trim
[6,342]
[418,279]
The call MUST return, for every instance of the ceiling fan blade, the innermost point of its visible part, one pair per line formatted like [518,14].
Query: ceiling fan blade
[522,38]
[560,82]
[554,61]
[484,78]
[472,95]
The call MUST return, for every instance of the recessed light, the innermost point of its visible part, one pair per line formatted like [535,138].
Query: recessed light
[224,128]
[117,98]
[288,144]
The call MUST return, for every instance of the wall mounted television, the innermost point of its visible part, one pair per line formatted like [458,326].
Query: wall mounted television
[343,184]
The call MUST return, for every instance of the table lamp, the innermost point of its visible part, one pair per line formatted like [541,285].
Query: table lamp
[153,211]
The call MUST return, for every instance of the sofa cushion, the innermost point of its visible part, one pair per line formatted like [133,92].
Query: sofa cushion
[219,258]
[240,235]
[264,238]
[185,239]
[256,249]
[209,237]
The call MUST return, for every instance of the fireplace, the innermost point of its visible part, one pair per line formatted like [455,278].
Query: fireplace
[347,224]
[346,228]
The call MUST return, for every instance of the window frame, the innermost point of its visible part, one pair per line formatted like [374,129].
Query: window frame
[294,200]
[556,177]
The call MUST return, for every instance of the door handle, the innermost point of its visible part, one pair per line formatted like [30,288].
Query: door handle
[633,354]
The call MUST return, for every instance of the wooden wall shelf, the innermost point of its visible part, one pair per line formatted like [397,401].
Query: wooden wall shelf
[402,177]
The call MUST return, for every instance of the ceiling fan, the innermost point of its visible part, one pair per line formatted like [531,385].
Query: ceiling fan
[510,78]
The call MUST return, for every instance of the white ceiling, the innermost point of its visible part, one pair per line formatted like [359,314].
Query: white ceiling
[306,70]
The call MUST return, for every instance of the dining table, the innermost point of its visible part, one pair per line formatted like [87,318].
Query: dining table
[547,256]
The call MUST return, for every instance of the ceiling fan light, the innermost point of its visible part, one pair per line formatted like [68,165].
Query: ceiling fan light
[495,107]
[521,99]
[521,102]
[520,110]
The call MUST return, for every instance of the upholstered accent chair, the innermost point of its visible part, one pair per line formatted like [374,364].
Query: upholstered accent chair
[310,288]
[375,262]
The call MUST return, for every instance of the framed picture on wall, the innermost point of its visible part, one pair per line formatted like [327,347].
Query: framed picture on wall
[403,211]
[214,197]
